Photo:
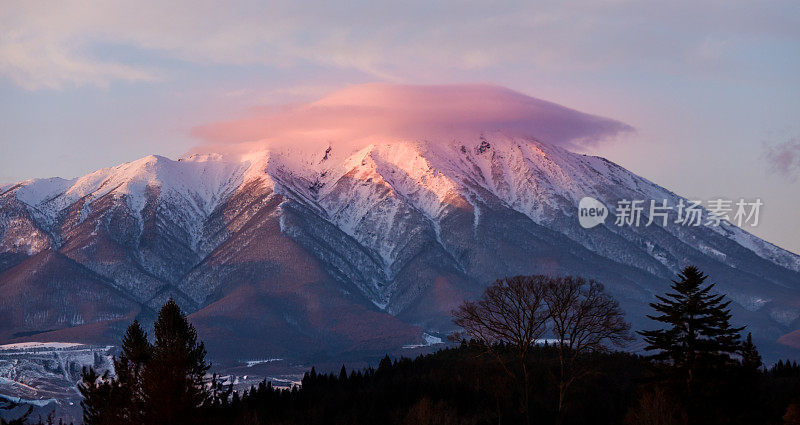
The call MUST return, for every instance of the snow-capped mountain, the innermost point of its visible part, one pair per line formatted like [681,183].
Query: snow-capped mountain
[351,248]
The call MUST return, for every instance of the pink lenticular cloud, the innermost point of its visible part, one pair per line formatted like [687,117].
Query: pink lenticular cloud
[416,112]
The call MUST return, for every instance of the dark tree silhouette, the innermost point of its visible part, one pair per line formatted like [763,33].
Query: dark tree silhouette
[172,380]
[696,349]
[751,359]
[101,402]
[136,351]
[583,319]
[578,379]
[515,311]
[511,311]
[160,383]
[698,328]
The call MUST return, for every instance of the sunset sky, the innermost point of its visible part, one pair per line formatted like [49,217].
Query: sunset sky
[708,93]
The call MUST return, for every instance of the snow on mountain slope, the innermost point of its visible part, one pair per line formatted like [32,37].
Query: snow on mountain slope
[401,229]
[201,180]
[543,182]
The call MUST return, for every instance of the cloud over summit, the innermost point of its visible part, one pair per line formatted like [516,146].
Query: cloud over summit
[431,112]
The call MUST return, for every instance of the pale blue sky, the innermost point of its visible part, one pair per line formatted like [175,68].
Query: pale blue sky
[712,88]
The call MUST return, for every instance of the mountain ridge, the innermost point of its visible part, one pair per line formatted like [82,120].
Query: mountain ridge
[398,231]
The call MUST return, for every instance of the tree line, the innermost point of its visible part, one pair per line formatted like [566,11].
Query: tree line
[532,350]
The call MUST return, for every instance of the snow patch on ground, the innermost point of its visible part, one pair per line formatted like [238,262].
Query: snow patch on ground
[251,363]
[429,340]
[19,400]
[31,346]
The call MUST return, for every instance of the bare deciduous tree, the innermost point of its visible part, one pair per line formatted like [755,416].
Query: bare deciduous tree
[583,319]
[516,311]
[512,312]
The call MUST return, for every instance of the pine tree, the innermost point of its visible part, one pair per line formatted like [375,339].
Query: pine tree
[751,359]
[698,328]
[172,380]
[385,364]
[117,400]
[100,402]
[129,366]
[748,392]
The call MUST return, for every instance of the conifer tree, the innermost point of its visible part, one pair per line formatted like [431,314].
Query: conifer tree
[698,341]
[698,324]
[100,402]
[385,364]
[748,396]
[751,359]
[117,400]
[172,380]
[129,366]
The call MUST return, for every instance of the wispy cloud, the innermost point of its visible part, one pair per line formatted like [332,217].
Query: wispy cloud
[53,44]
[784,158]
[32,64]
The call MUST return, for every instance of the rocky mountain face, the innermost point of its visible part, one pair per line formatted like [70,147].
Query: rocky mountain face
[315,252]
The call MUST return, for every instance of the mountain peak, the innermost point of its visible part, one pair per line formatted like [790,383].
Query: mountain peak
[402,227]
